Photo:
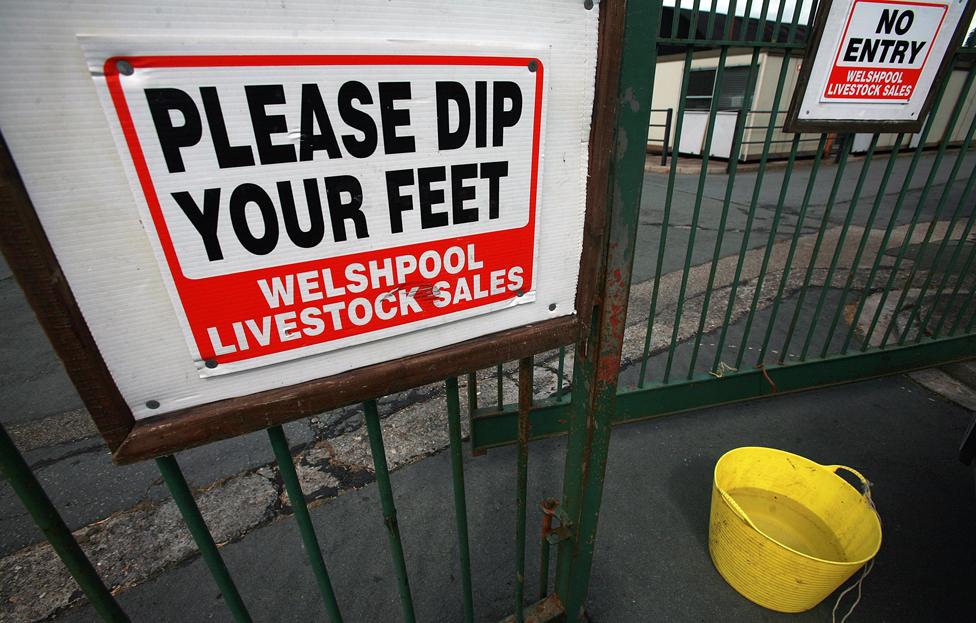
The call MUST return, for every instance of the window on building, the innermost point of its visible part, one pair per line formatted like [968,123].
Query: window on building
[701,87]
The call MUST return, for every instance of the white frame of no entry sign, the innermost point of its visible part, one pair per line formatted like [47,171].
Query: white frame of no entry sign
[812,111]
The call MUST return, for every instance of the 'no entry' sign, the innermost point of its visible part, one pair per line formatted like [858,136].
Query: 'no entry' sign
[871,64]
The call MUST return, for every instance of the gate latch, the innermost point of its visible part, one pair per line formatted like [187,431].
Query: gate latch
[552,510]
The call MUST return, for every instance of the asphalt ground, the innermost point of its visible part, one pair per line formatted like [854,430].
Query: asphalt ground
[652,561]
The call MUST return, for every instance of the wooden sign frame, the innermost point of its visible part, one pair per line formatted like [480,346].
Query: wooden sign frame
[35,266]
[794,124]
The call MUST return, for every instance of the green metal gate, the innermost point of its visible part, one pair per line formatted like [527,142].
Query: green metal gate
[862,266]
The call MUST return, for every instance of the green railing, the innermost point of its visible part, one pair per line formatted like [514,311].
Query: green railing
[742,309]
[829,293]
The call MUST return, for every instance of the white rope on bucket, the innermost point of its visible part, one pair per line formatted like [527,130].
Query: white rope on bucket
[865,570]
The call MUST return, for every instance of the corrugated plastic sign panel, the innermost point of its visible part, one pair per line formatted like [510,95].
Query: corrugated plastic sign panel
[245,197]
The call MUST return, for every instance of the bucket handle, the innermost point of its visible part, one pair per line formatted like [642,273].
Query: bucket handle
[730,501]
[865,483]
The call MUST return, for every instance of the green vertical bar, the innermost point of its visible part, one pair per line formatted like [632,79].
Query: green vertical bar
[751,214]
[560,370]
[286,467]
[500,387]
[472,393]
[183,497]
[729,19]
[797,232]
[779,22]
[16,471]
[726,203]
[597,361]
[763,14]
[666,218]
[710,24]
[745,21]
[957,251]
[522,482]
[972,318]
[797,9]
[892,222]
[943,145]
[955,292]
[967,304]
[376,447]
[764,266]
[841,239]
[824,222]
[865,236]
[696,211]
[950,182]
[460,500]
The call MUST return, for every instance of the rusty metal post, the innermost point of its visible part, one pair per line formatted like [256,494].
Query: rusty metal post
[598,351]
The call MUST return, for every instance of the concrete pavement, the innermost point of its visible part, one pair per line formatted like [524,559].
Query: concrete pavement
[652,562]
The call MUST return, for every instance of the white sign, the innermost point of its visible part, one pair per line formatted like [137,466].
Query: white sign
[287,193]
[333,199]
[877,60]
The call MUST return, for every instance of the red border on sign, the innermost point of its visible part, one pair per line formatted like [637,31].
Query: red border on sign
[847,25]
[186,284]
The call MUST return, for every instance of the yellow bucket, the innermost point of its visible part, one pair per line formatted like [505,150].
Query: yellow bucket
[786,532]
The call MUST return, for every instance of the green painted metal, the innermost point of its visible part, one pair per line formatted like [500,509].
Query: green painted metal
[893,271]
[550,418]
[841,239]
[824,223]
[457,479]
[296,497]
[750,217]
[764,267]
[597,358]
[500,385]
[46,517]
[954,219]
[696,212]
[666,218]
[726,203]
[859,253]
[522,483]
[176,483]
[956,253]
[382,471]
[791,254]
